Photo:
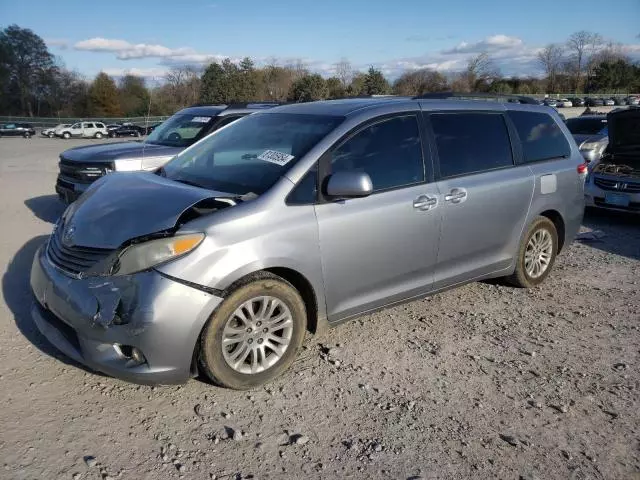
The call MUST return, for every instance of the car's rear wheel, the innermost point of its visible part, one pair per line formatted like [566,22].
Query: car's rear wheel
[27,135]
[536,255]
[98,135]
[254,335]
[66,135]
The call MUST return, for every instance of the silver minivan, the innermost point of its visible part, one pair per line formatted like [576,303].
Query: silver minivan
[298,218]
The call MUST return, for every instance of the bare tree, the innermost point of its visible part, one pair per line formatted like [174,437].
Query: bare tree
[550,59]
[480,69]
[582,45]
[344,71]
[184,85]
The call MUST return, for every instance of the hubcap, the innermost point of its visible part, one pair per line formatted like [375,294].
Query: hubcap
[257,335]
[537,256]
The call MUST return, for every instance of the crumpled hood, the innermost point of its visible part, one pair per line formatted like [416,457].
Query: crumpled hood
[115,151]
[122,206]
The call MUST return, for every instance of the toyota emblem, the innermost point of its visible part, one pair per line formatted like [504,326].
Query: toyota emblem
[67,236]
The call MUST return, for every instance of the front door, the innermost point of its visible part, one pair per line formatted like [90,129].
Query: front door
[485,197]
[380,249]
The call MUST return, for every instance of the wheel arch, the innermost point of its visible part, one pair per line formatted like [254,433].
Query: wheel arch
[558,221]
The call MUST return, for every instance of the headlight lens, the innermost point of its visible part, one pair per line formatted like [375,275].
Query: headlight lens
[592,146]
[144,256]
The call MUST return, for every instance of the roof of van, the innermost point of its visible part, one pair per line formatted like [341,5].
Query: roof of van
[347,106]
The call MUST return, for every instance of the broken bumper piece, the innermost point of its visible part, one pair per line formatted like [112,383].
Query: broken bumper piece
[142,327]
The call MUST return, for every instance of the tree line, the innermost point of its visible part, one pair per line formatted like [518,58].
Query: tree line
[34,83]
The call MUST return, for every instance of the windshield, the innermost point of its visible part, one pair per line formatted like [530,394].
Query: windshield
[251,154]
[180,130]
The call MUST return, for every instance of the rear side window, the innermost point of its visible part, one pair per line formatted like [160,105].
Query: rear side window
[540,136]
[471,142]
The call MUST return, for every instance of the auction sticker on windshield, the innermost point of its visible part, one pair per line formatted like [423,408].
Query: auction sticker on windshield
[200,119]
[276,157]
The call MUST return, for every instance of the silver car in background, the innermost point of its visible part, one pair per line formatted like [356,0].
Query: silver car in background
[614,180]
[298,218]
[590,133]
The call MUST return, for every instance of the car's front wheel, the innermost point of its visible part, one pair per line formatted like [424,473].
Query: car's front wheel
[254,335]
[98,135]
[66,135]
[536,255]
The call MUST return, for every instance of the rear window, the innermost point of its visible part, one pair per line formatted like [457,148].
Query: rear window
[540,136]
[471,142]
[585,126]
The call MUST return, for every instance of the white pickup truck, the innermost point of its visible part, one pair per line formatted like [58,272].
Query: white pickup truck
[83,130]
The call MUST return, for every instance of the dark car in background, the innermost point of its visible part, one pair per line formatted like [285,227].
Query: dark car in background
[81,166]
[593,102]
[128,130]
[577,102]
[25,130]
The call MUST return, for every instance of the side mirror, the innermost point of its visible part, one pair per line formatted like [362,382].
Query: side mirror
[349,185]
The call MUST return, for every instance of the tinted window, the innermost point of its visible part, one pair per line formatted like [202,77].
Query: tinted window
[471,142]
[226,121]
[586,126]
[100,125]
[389,151]
[88,125]
[540,136]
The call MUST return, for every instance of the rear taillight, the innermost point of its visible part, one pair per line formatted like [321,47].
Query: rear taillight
[582,169]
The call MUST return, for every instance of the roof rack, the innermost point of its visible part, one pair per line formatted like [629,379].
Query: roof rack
[478,96]
[239,105]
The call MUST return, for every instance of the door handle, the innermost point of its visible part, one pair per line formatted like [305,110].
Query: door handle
[456,195]
[425,202]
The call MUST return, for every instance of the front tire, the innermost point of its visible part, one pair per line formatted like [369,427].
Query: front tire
[254,335]
[536,255]
[51,135]
[98,135]
[66,135]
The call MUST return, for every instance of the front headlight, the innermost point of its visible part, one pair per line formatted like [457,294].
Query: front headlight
[144,256]
[592,146]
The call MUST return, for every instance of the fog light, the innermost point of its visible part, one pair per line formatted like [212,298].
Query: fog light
[133,354]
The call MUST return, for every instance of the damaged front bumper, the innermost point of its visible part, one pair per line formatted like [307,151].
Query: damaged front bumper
[141,327]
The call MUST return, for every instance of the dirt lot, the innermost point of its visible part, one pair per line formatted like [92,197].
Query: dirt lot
[485,381]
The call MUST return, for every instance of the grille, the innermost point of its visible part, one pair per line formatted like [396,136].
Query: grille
[617,185]
[84,172]
[67,331]
[74,259]
[633,207]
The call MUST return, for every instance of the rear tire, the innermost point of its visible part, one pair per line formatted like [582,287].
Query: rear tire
[98,135]
[27,135]
[265,312]
[66,135]
[536,254]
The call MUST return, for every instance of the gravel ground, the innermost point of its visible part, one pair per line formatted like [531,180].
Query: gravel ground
[484,381]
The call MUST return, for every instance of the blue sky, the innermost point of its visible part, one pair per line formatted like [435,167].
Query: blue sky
[147,37]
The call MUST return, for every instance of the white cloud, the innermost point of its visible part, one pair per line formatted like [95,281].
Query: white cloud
[128,51]
[57,42]
[489,44]
[138,72]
